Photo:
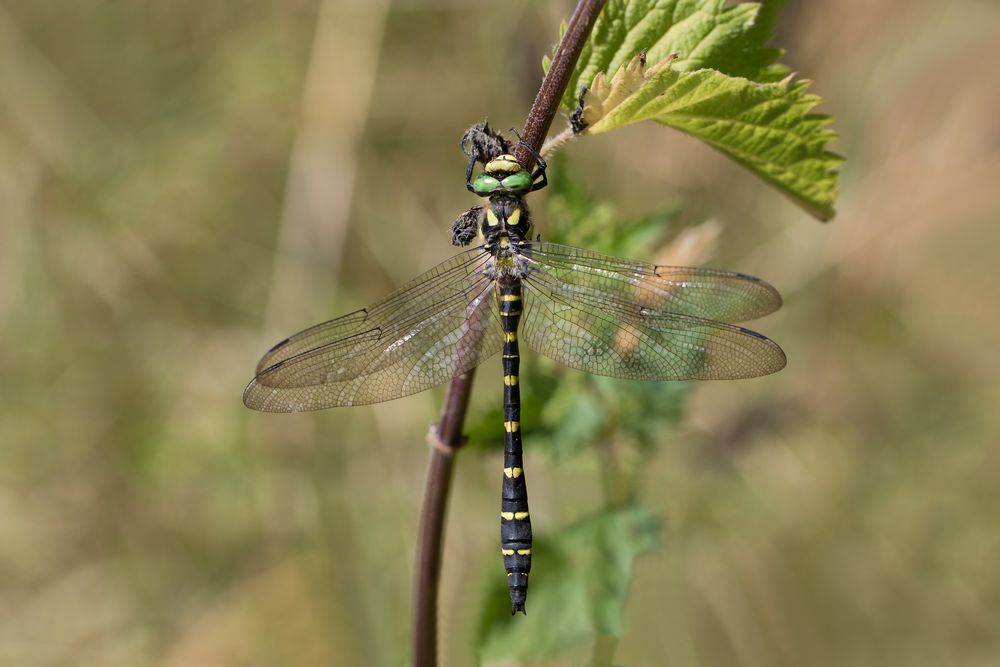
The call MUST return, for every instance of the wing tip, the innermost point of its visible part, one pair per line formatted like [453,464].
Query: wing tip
[772,362]
[772,300]
[267,359]
[777,301]
[258,396]
[251,395]
[278,345]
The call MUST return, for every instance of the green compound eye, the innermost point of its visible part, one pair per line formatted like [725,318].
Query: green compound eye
[518,181]
[485,184]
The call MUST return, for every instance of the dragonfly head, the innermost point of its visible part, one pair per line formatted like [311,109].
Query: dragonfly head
[502,175]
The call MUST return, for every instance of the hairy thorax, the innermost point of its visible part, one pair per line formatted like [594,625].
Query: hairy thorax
[505,230]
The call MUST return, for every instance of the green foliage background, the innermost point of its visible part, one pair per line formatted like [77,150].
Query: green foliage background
[184,183]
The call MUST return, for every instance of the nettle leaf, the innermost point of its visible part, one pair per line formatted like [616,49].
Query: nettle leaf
[605,96]
[766,127]
[579,585]
[646,411]
[714,78]
[706,34]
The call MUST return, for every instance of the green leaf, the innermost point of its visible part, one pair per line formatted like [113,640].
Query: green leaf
[706,34]
[766,127]
[715,79]
[539,383]
[646,411]
[559,415]
[576,218]
[579,585]
[574,419]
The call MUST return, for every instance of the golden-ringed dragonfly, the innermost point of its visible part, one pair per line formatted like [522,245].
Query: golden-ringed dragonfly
[596,313]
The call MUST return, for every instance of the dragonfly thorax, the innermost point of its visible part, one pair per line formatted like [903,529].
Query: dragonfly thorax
[505,219]
[504,229]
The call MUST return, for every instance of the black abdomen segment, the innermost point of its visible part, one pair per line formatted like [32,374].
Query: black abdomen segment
[515,524]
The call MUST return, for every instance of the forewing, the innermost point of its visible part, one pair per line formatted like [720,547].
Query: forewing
[598,332]
[678,290]
[451,275]
[439,324]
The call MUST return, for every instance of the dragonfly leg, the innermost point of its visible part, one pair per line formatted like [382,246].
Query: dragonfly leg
[468,174]
[539,169]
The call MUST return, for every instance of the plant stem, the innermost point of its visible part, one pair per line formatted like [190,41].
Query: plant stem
[449,431]
[546,103]
[431,534]
[556,142]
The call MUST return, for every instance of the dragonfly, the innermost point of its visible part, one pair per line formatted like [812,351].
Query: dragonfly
[600,314]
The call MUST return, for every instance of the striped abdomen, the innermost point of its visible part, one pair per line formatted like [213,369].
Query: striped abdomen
[515,525]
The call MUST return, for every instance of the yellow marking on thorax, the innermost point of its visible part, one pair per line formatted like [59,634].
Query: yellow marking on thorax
[491,218]
[512,472]
[504,242]
[511,427]
[514,217]
[510,380]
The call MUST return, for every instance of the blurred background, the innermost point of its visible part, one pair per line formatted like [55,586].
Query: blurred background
[183,184]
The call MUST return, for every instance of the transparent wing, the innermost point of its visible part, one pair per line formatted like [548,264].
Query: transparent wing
[441,323]
[589,326]
[706,293]
[396,305]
